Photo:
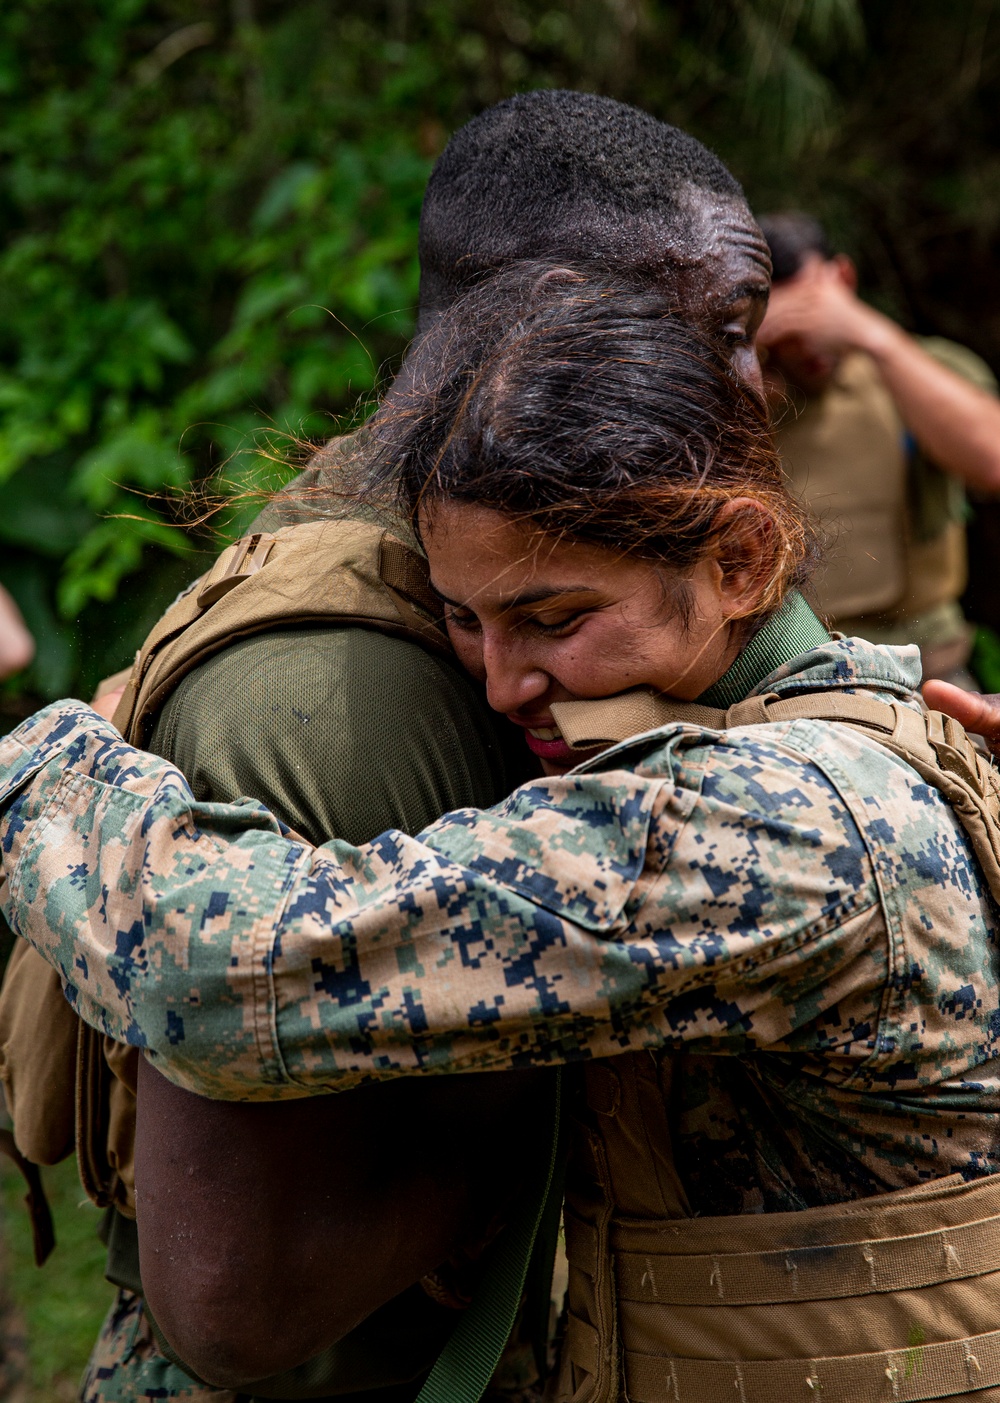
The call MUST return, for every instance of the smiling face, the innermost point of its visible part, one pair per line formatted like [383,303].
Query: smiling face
[598,494]
[540,620]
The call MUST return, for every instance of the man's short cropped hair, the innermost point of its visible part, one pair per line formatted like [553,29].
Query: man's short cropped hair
[556,174]
[792,236]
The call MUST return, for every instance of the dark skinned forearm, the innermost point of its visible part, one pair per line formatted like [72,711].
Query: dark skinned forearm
[268,1232]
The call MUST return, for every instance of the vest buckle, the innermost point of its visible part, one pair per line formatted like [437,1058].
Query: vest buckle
[243,559]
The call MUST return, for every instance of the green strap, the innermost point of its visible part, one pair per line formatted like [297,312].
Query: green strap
[537,1310]
[466,1364]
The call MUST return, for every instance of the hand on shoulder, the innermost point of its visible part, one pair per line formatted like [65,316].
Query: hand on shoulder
[978,713]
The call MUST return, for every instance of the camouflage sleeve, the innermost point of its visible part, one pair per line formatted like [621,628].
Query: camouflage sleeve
[562,923]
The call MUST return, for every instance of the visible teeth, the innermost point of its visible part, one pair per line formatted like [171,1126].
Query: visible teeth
[547,733]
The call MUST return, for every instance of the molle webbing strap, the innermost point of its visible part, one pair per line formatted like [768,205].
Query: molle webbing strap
[404,574]
[954,1369]
[585,725]
[465,1365]
[813,1272]
[840,1271]
[948,1232]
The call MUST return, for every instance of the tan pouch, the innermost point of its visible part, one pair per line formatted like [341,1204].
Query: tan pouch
[38,1040]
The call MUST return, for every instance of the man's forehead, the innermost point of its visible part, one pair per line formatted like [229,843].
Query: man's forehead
[715,244]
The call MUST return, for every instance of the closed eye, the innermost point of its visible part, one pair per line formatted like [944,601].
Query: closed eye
[554,627]
[461,618]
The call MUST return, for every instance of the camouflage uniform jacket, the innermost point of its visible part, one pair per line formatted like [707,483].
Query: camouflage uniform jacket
[789,905]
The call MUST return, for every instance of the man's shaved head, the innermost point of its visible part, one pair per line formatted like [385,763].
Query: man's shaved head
[556,174]
[570,176]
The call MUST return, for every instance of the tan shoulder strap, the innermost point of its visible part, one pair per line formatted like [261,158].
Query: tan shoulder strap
[931,743]
[586,725]
[313,572]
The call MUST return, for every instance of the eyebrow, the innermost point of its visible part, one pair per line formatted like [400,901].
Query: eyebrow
[754,290]
[529,596]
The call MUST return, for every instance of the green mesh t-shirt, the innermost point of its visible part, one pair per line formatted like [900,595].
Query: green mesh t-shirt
[344,732]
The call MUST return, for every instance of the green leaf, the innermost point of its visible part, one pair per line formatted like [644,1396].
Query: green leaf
[39,514]
[108,552]
[140,454]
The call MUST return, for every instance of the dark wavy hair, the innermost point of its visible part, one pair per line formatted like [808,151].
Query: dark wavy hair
[585,406]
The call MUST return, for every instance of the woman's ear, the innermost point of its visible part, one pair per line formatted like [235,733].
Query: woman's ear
[745,549]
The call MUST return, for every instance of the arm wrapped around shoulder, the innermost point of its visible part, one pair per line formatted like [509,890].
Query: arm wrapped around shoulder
[589,914]
[88,827]
[252,967]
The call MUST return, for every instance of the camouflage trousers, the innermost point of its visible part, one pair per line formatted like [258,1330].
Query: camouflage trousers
[127,1367]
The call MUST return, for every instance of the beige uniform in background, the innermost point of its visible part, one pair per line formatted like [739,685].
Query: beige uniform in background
[893,523]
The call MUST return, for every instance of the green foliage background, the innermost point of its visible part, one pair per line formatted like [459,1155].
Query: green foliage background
[208,215]
[61,1307]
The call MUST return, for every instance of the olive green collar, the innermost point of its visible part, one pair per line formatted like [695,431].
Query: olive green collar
[793,630]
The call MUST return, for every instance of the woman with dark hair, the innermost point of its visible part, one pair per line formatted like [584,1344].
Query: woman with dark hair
[755,919]
[597,424]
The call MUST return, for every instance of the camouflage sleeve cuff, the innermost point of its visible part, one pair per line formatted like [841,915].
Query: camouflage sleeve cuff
[103,854]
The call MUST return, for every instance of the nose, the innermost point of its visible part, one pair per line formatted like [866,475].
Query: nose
[513,682]
[746,363]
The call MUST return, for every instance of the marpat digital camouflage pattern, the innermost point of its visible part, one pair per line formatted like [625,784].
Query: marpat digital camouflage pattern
[790,899]
[126,1365]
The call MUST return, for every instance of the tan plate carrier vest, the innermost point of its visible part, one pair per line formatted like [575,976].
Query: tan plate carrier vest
[845,457]
[67,1087]
[895,1297]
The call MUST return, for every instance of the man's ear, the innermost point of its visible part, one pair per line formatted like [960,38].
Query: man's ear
[555,278]
[846,271]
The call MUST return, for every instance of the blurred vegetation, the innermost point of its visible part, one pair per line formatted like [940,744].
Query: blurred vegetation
[208,216]
[63,1303]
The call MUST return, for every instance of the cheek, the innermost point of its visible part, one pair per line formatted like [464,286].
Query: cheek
[629,651]
[468,648]
[609,656]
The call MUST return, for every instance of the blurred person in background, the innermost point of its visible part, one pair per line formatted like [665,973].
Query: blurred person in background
[17,647]
[880,433]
